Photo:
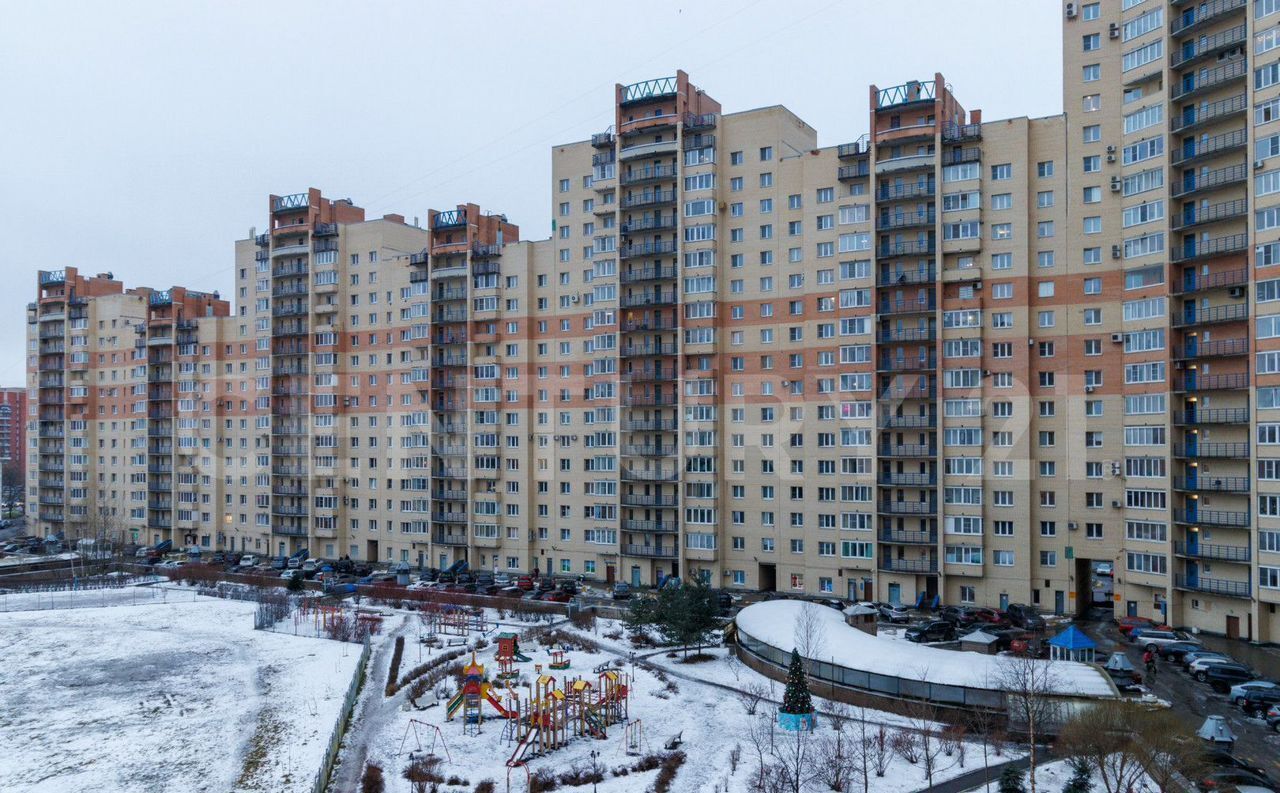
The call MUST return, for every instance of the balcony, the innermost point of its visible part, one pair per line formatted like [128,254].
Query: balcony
[953,132]
[859,170]
[655,148]
[699,121]
[1193,382]
[649,198]
[647,249]
[479,251]
[908,306]
[449,219]
[1200,450]
[1210,180]
[449,473]
[1193,248]
[1204,483]
[649,475]
[907,248]
[648,450]
[914,392]
[1209,147]
[649,173]
[961,155]
[646,500]
[1201,416]
[925,566]
[904,364]
[1217,348]
[1213,586]
[890,422]
[859,148]
[1193,215]
[1200,82]
[1193,117]
[1197,49]
[643,224]
[908,537]
[907,479]
[657,297]
[902,220]
[650,374]
[1196,282]
[908,162]
[602,140]
[1230,519]
[651,551]
[648,323]
[906,335]
[907,507]
[908,450]
[1193,315]
[449,517]
[649,425]
[663,526]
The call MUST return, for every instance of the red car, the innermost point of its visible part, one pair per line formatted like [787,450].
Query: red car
[989,616]
[1127,624]
[525,582]
[557,596]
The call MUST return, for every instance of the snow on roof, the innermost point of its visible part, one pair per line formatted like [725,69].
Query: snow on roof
[773,622]
[979,637]
[860,610]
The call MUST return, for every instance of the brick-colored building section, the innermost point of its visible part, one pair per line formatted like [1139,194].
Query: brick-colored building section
[13,434]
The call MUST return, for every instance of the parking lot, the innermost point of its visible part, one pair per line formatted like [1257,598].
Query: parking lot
[1192,701]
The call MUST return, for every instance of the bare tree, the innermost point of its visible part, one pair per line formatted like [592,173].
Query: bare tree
[760,734]
[982,723]
[880,749]
[906,744]
[836,750]
[862,751]
[751,694]
[810,634]
[923,720]
[794,766]
[1029,686]
[1122,743]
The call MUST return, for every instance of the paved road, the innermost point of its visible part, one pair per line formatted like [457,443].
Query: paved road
[1193,701]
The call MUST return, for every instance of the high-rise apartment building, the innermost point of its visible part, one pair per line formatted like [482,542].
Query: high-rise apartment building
[957,358]
[13,437]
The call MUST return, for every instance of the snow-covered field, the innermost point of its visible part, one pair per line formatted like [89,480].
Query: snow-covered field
[176,696]
[698,704]
[97,598]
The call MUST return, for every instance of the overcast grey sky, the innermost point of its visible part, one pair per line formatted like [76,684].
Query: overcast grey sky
[142,138]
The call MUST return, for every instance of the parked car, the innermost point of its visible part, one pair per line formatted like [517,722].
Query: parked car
[621,591]
[1194,655]
[1175,651]
[1152,639]
[502,579]
[525,582]
[891,613]
[1025,617]
[1206,661]
[1259,701]
[1104,569]
[557,596]
[511,592]
[1221,677]
[1273,718]
[958,615]
[990,616]
[1128,624]
[1217,759]
[1238,691]
[569,585]
[932,631]
[546,584]
[1231,778]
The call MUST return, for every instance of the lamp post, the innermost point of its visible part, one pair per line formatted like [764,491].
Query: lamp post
[595,771]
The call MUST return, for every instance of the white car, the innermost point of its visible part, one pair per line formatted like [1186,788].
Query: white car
[1200,664]
[1238,691]
[1104,569]
[1153,639]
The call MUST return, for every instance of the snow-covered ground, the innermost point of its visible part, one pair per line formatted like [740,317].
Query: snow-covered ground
[175,696]
[97,598]
[711,721]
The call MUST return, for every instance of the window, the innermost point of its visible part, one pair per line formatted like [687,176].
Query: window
[1001,172]
[1091,73]
[1090,42]
[1001,231]
[1091,103]
[1044,169]
[1092,133]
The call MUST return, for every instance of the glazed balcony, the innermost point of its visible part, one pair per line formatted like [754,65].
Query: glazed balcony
[1197,149]
[1194,348]
[1213,586]
[887,507]
[654,526]
[1238,450]
[898,537]
[1194,315]
[918,566]
[1193,215]
[1229,519]
[1195,50]
[1204,417]
[907,479]
[1194,248]
[1193,183]
[645,224]
[660,248]
[1205,483]
[1192,382]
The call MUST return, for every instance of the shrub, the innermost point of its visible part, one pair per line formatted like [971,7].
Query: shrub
[486,786]
[667,774]
[394,675]
[543,781]
[372,781]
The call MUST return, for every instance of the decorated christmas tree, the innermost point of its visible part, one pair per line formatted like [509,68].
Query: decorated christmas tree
[796,699]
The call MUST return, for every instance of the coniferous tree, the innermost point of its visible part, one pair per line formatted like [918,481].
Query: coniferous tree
[1011,780]
[796,699]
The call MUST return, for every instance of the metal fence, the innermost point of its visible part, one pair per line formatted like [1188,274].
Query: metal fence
[96,598]
[344,718]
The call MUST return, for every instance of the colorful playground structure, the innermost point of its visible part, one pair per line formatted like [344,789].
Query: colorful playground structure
[456,621]
[474,689]
[507,655]
[559,661]
[575,708]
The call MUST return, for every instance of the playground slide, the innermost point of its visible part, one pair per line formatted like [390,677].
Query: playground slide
[522,749]
[453,706]
[503,712]
[594,724]
[521,657]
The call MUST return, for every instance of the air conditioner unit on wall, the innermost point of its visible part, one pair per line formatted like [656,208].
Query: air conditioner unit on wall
[1071,10]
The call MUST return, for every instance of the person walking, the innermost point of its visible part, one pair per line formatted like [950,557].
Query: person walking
[1149,658]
